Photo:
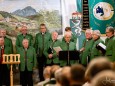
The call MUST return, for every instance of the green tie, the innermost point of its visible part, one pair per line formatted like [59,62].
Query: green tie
[42,42]
[25,56]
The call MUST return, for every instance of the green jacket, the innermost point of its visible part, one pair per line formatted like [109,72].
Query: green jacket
[87,44]
[110,48]
[8,43]
[20,38]
[31,58]
[7,50]
[40,44]
[64,47]
[73,38]
[94,51]
[49,49]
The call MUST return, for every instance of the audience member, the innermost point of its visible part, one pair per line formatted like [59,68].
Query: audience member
[46,74]
[64,79]
[95,66]
[52,77]
[104,78]
[77,75]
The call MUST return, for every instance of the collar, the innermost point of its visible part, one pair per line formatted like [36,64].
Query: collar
[111,37]
[97,39]
[54,41]
[52,79]
[43,33]
[26,48]
[90,39]
[2,47]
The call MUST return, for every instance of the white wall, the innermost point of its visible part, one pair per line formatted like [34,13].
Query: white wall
[68,7]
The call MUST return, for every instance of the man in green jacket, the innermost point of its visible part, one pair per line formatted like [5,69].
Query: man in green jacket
[41,40]
[23,35]
[73,37]
[110,44]
[50,53]
[27,63]
[8,41]
[65,46]
[95,52]
[86,47]
[4,68]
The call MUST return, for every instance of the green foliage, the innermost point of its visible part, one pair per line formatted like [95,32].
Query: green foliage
[4,25]
[51,18]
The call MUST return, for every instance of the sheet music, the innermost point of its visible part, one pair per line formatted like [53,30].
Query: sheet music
[102,45]
[57,49]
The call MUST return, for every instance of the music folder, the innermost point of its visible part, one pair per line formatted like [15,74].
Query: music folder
[73,55]
[101,47]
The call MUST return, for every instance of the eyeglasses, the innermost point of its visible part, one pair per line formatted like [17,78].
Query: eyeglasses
[107,32]
[42,28]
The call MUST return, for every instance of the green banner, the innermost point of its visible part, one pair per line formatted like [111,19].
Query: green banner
[79,5]
[101,14]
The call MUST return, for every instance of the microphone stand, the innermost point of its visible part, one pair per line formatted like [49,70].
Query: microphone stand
[68,60]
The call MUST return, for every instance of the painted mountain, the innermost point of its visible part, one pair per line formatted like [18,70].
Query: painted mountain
[27,11]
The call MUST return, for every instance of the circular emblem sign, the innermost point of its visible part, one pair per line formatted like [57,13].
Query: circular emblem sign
[103,11]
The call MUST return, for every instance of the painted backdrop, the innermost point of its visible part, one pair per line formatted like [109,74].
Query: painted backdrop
[15,13]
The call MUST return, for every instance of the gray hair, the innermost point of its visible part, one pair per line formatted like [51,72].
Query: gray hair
[89,31]
[111,29]
[68,33]
[97,32]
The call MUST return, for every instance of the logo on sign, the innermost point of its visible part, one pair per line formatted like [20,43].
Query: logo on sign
[103,11]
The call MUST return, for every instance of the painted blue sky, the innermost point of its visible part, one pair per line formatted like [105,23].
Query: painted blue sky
[13,5]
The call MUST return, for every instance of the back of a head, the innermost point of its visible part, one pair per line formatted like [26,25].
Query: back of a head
[46,72]
[64,77]
[53,70]
[97,65]
[78,74]
[104,78]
